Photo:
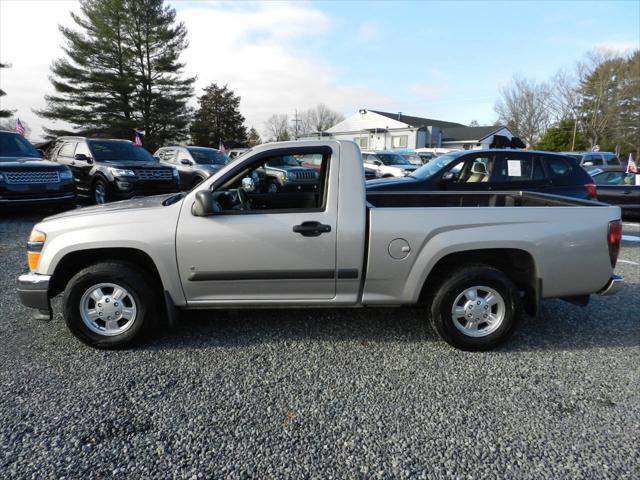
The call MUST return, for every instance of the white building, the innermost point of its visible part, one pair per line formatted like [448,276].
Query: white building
[375,130]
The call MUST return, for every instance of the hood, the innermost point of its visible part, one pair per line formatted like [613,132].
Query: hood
[136,203]
[292,168]
[29,163]
[389,183]
[132,164]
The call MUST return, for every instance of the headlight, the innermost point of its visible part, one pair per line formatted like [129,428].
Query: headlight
[378,173]
[121,172]
[34,248]
[66,175]
[1,177]
[174,172]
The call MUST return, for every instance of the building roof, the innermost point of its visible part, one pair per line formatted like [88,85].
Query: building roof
[418,121]
[462,133]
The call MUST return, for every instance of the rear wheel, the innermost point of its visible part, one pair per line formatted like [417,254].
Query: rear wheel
[100,192]
[475,308]
[108,305]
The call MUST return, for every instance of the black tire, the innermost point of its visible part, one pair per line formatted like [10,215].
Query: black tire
[448,288]
[124,275]
[273,187]
[97,186]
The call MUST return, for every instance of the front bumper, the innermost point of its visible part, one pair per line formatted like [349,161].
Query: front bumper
[129,189]
[33,290]
[613,286]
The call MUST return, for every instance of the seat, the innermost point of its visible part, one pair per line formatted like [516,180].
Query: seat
[478,173]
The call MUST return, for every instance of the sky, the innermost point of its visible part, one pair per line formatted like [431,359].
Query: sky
[442,60]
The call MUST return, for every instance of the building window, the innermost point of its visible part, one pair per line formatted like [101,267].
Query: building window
[363,142]
[400,141]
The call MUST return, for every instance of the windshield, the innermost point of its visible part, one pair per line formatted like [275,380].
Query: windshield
[208,156]
[392,159]
[434,166]
[15,145]
[286,161]
[105,150]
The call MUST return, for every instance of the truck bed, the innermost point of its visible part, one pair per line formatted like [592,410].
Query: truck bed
[569,252]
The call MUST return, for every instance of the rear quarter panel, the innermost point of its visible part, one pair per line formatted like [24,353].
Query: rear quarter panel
[568,245]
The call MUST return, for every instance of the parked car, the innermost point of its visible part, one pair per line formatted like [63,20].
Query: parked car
[236,152]
[413,158]
[480,170]
[428,154]
[473,260]
[194,164]
[387,164]
[106,170]
[595,159]
[28,179]
[617,187]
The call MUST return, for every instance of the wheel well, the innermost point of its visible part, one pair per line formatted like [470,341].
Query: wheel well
[516,264]
[73,262]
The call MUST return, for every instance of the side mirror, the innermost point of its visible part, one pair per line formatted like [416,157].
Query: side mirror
[41,152]
[448,176]
[377,163]
[156,158]
[82,157]
[184,161]
[205,205]
[248,185]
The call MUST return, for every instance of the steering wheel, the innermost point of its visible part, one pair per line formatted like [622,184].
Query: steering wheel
[243,200]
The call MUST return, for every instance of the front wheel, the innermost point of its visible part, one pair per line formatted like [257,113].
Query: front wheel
[100,192]
[475,308]
[108,305]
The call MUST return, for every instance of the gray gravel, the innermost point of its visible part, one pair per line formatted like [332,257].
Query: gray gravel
[324,394]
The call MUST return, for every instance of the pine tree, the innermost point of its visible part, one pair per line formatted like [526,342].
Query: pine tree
[3,112]
[121,73]
[157,41]
[253,138]
[218,119]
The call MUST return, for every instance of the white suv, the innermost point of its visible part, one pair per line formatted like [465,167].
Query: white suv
[387,164]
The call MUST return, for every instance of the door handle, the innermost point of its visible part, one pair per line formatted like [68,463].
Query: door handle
[627,192]
[311,229]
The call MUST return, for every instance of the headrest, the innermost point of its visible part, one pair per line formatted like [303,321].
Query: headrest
[479,168]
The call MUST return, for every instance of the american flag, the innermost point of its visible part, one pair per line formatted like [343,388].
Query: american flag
[631,165]
[221,146]
[20,128]
[136,140]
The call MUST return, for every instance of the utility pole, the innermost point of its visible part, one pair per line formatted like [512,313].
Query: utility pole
[575,127]
[296,121]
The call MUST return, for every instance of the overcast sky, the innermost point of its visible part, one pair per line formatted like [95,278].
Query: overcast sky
[444,60]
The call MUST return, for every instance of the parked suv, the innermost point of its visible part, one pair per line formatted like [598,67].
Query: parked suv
[388,164]
[595,159]
[194,164]
[287,173]
[501,170]
[107,170]
[27,179]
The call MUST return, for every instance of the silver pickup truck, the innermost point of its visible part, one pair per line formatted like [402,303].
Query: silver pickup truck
[476,261]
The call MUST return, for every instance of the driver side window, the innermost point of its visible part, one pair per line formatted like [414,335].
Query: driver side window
[292,181]
[471,169]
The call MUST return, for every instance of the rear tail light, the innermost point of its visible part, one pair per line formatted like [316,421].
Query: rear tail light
[613,240]
[592,190]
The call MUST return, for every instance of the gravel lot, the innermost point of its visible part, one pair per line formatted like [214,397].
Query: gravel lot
[324,394]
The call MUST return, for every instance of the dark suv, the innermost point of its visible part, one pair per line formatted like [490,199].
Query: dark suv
[497,170]
[27,179]
[194,164]
[107,170]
